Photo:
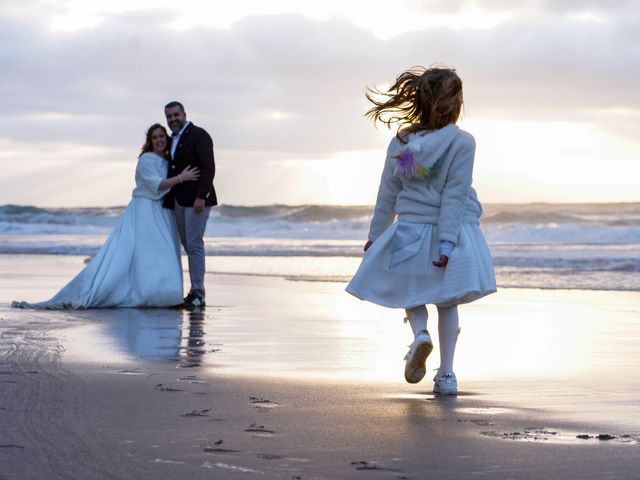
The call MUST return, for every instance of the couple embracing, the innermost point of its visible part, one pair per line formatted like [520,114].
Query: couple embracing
[140,265]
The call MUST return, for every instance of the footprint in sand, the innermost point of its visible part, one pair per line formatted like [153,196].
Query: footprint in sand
[197,413]
[481,422]
[362,465]
[254,428]
[161,388]
[269,456]
[191,379]
[262,403]
[218,448]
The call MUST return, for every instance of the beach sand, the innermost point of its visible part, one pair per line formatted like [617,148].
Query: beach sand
[286,380]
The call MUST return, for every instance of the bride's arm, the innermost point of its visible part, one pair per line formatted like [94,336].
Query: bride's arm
[187,175]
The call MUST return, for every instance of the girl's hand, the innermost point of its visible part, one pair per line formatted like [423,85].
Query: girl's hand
[367,245]
[190,173]
[441,262]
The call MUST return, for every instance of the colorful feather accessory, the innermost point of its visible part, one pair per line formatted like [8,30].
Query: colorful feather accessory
[408,166]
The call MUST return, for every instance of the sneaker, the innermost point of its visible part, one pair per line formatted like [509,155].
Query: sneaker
[191,302]
[445,384]
[415,368]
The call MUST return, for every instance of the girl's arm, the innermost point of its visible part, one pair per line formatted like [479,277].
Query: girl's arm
[390,186]
[456,190]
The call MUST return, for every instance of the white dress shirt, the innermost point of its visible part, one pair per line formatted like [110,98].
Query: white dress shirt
[175,138]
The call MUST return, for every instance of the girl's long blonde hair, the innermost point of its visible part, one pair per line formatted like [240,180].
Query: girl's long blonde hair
[420,99]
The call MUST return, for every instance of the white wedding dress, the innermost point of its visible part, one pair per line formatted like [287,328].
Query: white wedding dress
[139,264]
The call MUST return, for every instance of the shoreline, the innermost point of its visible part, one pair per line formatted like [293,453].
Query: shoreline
[320,266]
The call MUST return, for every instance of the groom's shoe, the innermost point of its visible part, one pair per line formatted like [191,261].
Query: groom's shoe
[190,296]
[191,302]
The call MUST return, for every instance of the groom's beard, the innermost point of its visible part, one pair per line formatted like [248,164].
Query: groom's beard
[175,126]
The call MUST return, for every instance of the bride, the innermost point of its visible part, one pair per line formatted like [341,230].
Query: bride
[139,264]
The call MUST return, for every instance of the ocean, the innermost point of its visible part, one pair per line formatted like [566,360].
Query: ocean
[558,246]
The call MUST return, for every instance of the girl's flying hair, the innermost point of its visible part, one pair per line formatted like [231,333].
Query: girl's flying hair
[420,99]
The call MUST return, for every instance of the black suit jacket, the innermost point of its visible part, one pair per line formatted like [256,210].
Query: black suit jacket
[195,149]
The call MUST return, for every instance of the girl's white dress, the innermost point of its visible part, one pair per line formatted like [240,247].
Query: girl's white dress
[426,183]
[139,264]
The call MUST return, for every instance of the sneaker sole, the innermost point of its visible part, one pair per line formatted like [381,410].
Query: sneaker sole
[445,391]
[417,365]
[192,307]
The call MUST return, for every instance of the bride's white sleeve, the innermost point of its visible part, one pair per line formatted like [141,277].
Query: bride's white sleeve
[148,176]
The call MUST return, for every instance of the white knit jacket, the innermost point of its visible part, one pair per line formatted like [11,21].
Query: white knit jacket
[445,198]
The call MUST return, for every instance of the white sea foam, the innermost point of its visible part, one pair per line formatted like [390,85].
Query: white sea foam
[532,245]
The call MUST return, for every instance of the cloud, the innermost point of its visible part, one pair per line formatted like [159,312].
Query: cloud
[261,84]
[542,7]
[120,73]
[289,87]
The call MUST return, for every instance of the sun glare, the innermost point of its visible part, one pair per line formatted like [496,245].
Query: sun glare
[525,161]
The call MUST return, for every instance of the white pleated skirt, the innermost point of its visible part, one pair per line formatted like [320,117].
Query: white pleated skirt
[397,270]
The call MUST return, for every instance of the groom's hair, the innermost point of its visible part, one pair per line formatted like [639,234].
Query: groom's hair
[174,104]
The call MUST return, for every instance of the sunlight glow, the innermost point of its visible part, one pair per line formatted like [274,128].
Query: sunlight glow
[525,161]
[67,174]
[279,115]
[516,161]
[356,184]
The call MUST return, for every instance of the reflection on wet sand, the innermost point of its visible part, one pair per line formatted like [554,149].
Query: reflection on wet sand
[193,344]
[145,333]
[160,334]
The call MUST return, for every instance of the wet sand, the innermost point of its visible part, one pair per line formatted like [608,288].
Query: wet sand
[281,379]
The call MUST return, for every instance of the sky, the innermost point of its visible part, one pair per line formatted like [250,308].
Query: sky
[550,88]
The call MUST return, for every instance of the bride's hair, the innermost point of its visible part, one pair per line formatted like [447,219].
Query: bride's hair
[420,99]
[148,146]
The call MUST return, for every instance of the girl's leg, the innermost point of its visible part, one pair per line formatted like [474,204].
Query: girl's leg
[448,325]
[415,360]
[417,317]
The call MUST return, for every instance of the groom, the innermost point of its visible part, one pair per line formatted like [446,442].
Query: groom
[191,201]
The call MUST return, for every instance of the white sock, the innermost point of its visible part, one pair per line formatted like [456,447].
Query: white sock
[417,318]
[448,324]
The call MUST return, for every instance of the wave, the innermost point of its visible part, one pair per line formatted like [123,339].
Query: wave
[606,214]
[525,224]
[533,213]
[569,233]
[583,264]
[301,213]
